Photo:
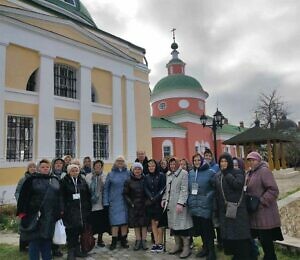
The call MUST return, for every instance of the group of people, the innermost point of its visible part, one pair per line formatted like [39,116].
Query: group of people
[191,200]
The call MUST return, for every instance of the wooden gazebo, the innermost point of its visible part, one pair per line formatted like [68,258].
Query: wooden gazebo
[256,136]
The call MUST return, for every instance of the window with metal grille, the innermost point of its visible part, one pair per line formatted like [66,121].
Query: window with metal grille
[19,138]
[31,83]
[65,138]
[101,141]
[64,81]
[167,151]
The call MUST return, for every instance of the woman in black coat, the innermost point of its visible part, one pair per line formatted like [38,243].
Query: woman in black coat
[155,184]
[39,196]
[135,197]
[235,232]
[76,200]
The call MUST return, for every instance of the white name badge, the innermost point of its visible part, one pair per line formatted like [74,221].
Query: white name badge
[76,196]
[194,188]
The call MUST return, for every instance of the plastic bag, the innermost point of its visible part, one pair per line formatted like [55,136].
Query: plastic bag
[59,237]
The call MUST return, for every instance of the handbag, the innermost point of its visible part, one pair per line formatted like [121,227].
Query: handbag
[252,203]
[59,237]
[231,207]
[30,222]
[87,240]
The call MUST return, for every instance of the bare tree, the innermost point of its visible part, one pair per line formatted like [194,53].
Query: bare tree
[270,109]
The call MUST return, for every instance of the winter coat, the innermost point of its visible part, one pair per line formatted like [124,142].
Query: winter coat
[96,187]
[40,192]
[201,204]
[177,193]
[154,185]
[135,197]
[76,211]
[113,196]
[20,184]
[233,183]
[261,183]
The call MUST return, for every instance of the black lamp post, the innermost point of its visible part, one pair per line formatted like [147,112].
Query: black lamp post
[217,122]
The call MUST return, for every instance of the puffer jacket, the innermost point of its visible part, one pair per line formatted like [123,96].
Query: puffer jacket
[201,204]
[76,211]
[40,192]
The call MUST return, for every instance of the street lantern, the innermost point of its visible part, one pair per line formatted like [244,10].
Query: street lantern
[217,122]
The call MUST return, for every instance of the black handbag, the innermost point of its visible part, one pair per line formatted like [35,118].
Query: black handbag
[252,203]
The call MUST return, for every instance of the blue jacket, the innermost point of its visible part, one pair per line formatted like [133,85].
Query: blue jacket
[113,196]
[201,205]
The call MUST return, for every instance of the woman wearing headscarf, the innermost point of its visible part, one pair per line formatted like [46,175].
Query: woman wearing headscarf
[200,204]
[155,183]
[76,200]
[135,197]
[114,199]
[265,221]
[39,198]
[235,229]
[99,216]
[174,201]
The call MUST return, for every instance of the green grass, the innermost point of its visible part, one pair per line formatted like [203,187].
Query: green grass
[284,195]
[8,219]
[11,252]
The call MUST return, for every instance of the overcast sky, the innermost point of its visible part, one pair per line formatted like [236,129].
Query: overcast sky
[236,49]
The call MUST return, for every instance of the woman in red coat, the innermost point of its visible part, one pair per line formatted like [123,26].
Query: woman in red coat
[265,221]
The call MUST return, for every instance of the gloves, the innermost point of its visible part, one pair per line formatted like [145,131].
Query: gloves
[22,215]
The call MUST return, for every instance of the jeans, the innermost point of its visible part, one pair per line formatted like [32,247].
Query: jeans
[38,246]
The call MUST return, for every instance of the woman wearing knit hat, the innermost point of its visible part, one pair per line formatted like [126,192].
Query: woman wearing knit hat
[76,207]
[114,199]
[265,221]
[135,197]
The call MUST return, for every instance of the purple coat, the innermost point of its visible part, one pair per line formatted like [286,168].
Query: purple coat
[261,183]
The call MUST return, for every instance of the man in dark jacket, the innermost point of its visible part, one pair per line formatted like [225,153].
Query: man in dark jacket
[142,158]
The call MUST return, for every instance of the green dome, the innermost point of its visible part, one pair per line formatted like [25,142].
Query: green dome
[71,8]
[176,81]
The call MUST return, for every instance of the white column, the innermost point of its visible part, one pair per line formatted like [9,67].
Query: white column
[2,100]
[131,122]
[46,121]
[86,121]
[117,127]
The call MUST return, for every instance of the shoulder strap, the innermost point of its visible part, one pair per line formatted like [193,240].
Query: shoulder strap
[45,196]
[242,195]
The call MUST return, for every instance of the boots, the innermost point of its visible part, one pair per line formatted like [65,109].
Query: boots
[79,253]
[138,245]
[124,242]
[177,247]
[203,252]
[71,254]
[186,252]
[144,245]
[113,244]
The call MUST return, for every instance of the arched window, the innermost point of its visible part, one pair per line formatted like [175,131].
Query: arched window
[64,80]
[31,83]
[167,148]
[71,2]
[162,106]
[197,147]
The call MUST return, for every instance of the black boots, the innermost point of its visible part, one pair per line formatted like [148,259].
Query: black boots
[124,243]
[80,253]
[113,244]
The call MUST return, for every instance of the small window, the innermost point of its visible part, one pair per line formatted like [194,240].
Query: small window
[31,83]
[162,106]
[64,81]
[167,151]
[201,104]
[19,138]
[71,2]
[196,149]
[101,141]
[65,138]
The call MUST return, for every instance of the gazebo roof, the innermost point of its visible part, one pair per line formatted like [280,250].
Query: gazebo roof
[258,135]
